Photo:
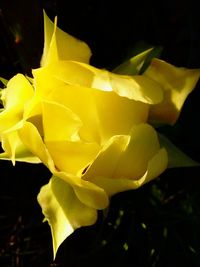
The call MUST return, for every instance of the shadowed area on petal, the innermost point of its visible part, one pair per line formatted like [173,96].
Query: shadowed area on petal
[63,210]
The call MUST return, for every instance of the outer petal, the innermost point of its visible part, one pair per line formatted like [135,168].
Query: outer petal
[15,149]
[63,210]
[155,167]
[17,93]
[88,193]
[98,111]
[137,87]
[34,143]
[177,84]
[118,167]
[60,45]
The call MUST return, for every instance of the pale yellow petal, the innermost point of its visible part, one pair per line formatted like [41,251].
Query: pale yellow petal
[177,84]
[63,210]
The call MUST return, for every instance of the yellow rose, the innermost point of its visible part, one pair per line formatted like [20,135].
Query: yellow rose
[90,127]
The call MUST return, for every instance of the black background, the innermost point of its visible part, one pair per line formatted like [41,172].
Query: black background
[161,221]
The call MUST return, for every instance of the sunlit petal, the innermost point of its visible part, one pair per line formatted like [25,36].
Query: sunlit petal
[60,45]
[177,84]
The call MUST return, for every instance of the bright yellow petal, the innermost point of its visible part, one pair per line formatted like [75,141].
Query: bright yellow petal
[90,194]
[81,101]
[60,45]
[136,87]
[155,167]
[59,122]
[18,91]
[9,119]
[142,147]
[116,115]
[63,210]
[108,158]
[98,111]
[72,157]
[128,161]
[15,149]
[177,84]
[34,143]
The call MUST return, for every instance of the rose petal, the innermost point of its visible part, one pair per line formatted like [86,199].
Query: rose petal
[59,122]
[88,193]
[60,45]
[63,210]
[18,91]
[34,143]
[72,157]
[15,149]
[118,166]
[177,84]
[155,167]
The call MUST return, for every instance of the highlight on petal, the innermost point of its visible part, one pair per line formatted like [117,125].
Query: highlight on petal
[59,45]
[137,87]
[177,84]
[118,167]
[63,210]
[15,149]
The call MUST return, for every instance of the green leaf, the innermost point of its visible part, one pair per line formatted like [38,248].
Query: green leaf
[138,63]
[176,157]
[133,65]
[154,53]
[4,81]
